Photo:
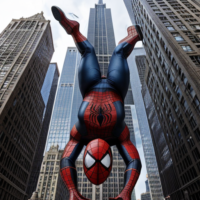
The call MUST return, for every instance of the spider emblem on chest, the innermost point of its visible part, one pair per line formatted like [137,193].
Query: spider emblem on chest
[100,114]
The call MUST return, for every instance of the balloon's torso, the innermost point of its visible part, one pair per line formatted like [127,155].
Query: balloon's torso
[101,113]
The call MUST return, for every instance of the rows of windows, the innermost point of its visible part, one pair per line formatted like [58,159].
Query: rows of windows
[48,182]
[22,123]
[170,89]
[192,37]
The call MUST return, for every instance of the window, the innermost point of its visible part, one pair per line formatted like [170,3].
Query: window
[178,38]
[170,28]
[190,142]
[196,60]
[187,48]
[178,22]
[196,154]
[182,27]
[197,26]
[197,133]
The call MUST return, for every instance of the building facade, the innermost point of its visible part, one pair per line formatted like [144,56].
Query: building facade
[50,185]
[165,164]
[34,196]
[48,92]
[146,196]
[26,48]
[147,185]
[59,130]
[147,143]
[171,39]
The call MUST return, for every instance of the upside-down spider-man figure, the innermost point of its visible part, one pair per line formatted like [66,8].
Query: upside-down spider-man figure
[101,114]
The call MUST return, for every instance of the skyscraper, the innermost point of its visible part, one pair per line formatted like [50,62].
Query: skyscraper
[101,36]
[163,156]
[48,92]
[59,130]
[171,38]
[147,143]
[146,195]
[26,48]
[50,185]
[164,160]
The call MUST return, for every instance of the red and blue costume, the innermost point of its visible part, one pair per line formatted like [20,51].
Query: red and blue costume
[101,114]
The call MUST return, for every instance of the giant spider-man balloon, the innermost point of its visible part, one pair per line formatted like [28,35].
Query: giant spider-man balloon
[101,114]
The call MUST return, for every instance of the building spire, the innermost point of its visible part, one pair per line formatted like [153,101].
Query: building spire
[100,2]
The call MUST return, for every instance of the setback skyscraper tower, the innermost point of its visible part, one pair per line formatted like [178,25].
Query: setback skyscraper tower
[26,48]
[59,130]
[171,38]
[101,36]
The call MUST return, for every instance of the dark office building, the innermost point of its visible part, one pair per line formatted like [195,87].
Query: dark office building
[26,48]
[137,68]
[167,173]
[48,94]
[171,30]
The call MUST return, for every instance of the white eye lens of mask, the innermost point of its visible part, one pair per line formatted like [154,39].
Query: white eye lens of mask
[106,161]
[89,161]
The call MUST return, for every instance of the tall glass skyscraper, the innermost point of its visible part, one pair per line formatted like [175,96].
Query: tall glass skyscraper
[147,143]
[59,130]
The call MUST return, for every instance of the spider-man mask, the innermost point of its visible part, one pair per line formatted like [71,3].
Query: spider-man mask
[97,161]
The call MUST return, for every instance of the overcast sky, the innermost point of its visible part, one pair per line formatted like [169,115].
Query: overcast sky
[15,9]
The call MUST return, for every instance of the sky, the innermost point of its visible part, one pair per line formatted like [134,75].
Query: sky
[15,9]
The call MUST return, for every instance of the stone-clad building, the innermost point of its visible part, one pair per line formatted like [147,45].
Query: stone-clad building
[50,185]
[171,30]
[35,196]
[26,48]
